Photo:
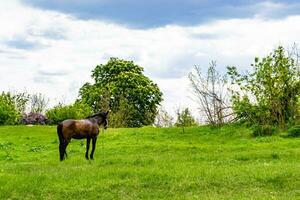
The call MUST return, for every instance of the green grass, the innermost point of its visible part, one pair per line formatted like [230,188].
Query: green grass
[150,163]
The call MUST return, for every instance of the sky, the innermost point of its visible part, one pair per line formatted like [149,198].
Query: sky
[51,46]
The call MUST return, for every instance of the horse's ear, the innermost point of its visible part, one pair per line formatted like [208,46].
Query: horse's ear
[107,112]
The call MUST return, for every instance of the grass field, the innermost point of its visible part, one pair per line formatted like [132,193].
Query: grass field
[150,163]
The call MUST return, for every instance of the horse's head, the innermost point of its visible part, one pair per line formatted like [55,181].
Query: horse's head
[101,118]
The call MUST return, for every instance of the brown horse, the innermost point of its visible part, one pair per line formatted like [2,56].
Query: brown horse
[78,129]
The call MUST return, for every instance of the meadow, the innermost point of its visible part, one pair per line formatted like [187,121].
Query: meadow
[150,163]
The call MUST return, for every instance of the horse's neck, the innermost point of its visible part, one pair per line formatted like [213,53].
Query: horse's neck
[96,120]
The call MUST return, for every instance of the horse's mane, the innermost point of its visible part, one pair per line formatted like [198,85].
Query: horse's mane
[102,114]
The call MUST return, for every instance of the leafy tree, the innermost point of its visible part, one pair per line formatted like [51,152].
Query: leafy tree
[122,115]
[9,113]
[121,86]
[270,94]
[185,118]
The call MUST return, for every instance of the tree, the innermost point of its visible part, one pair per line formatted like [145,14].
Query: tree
[270,94]
[38,103]
[210,90]
[21,100]
[9,113]
[185,118]
[121,86]
[163,119]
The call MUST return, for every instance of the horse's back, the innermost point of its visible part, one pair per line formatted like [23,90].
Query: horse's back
[79,128]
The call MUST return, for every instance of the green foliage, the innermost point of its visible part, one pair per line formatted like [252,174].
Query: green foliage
[294,131]
[9,113]
[270,92]
[185,118]
[263,130]
[124,114]
[121,87]
[63,112]
[248,112]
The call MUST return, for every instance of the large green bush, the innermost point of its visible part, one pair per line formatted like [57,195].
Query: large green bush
[294,131]
[9,114]
[63,112]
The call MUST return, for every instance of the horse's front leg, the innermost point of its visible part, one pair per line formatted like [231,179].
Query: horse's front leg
[88,140]
[94,140]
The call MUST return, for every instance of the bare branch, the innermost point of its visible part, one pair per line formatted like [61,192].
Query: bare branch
[211,92]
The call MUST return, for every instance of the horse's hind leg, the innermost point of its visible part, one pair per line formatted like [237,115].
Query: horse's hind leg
[61,151]
[88,140]
[94,140]
[61,141]
[64,148]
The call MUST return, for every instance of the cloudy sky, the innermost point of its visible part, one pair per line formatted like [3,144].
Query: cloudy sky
[51,46]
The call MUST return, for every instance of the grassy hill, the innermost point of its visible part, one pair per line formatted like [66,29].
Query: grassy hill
[150,163]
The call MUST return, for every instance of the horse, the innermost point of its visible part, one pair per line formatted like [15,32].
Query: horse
[79,129]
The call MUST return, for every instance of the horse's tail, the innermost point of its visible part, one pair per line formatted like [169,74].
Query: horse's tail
[61,140]
[60,133]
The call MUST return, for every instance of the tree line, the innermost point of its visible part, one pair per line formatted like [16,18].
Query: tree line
[265,97]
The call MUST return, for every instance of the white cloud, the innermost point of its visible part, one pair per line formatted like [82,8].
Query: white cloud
[72,48]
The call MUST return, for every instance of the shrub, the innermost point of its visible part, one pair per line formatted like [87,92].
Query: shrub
[294,131]
[163,118]
[9,114]
[263,130]
[63,112]
[270,93]
[34,118]
[185,118]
